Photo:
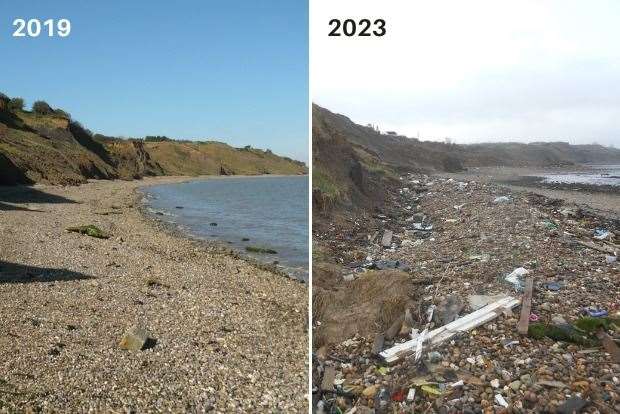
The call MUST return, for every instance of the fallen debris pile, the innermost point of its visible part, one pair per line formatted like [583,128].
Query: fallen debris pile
[470,252]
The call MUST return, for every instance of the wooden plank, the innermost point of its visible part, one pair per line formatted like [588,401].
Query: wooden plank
[377,345]
[593,246]
[441,334]
[526,307]
[386,241]
[327,384]
[609,345]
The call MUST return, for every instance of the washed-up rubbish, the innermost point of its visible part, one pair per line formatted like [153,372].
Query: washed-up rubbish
[382,400]
[553,286]
[399,395]
[443,333]
[601,234]
[509,342]
[462,185]
[411,394]
[422,227]
[459,206]
[610,259]
[549,225]
[431,389]
[534,317]
[516,277]
[383,370]
[594,312]
[389,264]
[500,400]
[501,199]
[478,301]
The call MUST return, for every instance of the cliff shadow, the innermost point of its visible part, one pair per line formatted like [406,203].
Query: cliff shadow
[19,273]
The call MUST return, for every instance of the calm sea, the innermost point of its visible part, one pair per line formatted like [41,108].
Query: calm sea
[599,175]
[266,212]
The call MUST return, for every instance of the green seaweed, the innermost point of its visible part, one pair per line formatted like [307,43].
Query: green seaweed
[255,249]
[89,230]
[567,333]
[591,325]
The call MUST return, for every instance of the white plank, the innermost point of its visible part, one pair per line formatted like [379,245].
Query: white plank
[439,335]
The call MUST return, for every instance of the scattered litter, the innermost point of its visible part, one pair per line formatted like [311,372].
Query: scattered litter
[601,234]
[431,389]
[411,394]
[610,259]
[500,400]
[534,317]
[516,276]
[478,301]
[502,199]
[553,286]
[594,312]
[443,333]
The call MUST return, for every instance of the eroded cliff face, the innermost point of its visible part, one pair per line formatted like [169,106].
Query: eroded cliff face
[53,149]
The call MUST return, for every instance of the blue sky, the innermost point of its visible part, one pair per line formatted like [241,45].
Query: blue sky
[235,71]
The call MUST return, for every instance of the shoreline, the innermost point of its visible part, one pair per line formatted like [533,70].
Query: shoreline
[229,335]
[219,246]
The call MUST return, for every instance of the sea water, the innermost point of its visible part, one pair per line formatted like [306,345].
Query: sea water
[266,211]
[598,175]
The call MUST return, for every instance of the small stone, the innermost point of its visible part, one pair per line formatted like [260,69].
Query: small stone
[515,385]
[134,339]
[526,379]
[495,383]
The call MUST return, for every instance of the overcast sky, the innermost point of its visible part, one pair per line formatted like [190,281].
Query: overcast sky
[475,70]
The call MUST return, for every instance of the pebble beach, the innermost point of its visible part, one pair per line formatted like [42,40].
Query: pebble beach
[225,335]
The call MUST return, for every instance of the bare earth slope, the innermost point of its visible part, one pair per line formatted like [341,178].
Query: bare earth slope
[228,335]
[52,149]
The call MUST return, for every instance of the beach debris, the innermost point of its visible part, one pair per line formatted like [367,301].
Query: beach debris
[501,200]
[526,307]
[573,405]
[478,301]
[601,234]
[610,259]
[411,394]
[135,339]
[257,249]
[515,277]
[500,400]
[389,264]
[533,318]
[441,334]
[89,230]
[593,246]
[552,286]
[386,240]
[594,312]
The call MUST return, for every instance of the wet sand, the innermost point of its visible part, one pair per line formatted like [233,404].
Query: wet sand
[605,200]
[229,335]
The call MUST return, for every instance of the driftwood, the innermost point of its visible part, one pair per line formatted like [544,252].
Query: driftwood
[526,307]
